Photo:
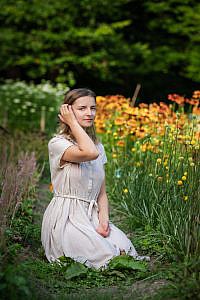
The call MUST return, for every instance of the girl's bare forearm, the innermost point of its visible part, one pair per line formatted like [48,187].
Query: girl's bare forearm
[103,208]
[85,143]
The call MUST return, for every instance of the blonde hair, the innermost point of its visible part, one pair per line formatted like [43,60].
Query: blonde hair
[70,97]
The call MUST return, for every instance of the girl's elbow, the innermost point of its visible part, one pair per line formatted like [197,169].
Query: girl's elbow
[95,154]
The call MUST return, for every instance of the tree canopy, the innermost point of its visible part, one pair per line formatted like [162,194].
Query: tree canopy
[102,44]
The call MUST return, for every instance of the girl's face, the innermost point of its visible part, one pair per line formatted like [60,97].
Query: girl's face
[84,109]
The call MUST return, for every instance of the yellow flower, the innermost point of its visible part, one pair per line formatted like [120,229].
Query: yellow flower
[170,135]
[159,160]
[143,148]
[133,149]
[185,198]
[167,168]
[150,175]
[165,163]
[185,173]
[190,159]
[125,191]
[192,142]
[184,178]
[180,182]
[192,164]
[114,155]
[115,134]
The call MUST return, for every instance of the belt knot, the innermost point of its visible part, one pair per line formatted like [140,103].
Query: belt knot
[92,203]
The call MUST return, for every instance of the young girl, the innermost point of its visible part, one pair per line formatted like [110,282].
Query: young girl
[76,222]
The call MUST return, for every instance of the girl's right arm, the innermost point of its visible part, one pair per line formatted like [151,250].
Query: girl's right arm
[86,149]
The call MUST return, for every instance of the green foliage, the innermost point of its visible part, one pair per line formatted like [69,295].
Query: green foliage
[84,41]
[25,106]
[149,241]
[76,270]
[23,229]
[179,22]
[126,262]
[187,282]
[13,283]
[60,35]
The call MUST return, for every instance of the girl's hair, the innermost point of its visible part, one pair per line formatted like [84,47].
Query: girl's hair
[69,98]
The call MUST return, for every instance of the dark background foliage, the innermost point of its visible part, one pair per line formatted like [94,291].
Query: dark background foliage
[106,45]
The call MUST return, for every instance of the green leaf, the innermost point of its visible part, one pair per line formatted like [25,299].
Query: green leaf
[116,273]
[127,262]
[76,270]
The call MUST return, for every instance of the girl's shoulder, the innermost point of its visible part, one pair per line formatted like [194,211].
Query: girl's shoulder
[59,140]
[57,137]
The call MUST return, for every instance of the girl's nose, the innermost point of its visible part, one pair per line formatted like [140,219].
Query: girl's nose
[89,111]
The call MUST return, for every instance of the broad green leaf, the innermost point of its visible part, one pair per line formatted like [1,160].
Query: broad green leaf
[76,270]
[126,262]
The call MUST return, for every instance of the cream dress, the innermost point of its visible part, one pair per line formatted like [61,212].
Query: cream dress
[71,218]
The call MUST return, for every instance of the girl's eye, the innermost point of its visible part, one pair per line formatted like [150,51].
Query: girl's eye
[92,108]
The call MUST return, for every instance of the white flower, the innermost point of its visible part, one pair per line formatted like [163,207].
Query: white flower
[28,103]
[16,100]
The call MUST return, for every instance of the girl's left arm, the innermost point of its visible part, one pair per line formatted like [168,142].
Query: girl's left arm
[103,227]
[103,204]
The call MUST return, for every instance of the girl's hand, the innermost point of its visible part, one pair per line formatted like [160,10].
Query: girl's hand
[103,228]
[67,115]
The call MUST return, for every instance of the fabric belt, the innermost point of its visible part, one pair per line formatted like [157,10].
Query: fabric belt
[92,203]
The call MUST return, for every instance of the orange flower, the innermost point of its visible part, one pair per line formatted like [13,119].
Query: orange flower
[121,143]
[119,121]
[51,187]
[147,119]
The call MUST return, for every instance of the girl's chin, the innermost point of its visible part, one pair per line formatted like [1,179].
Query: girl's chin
[87,124]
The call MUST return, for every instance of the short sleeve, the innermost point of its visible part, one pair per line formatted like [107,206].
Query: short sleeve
[56,147]
[103,154]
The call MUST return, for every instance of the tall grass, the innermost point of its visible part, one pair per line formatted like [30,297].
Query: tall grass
[17,179]
[156,183]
